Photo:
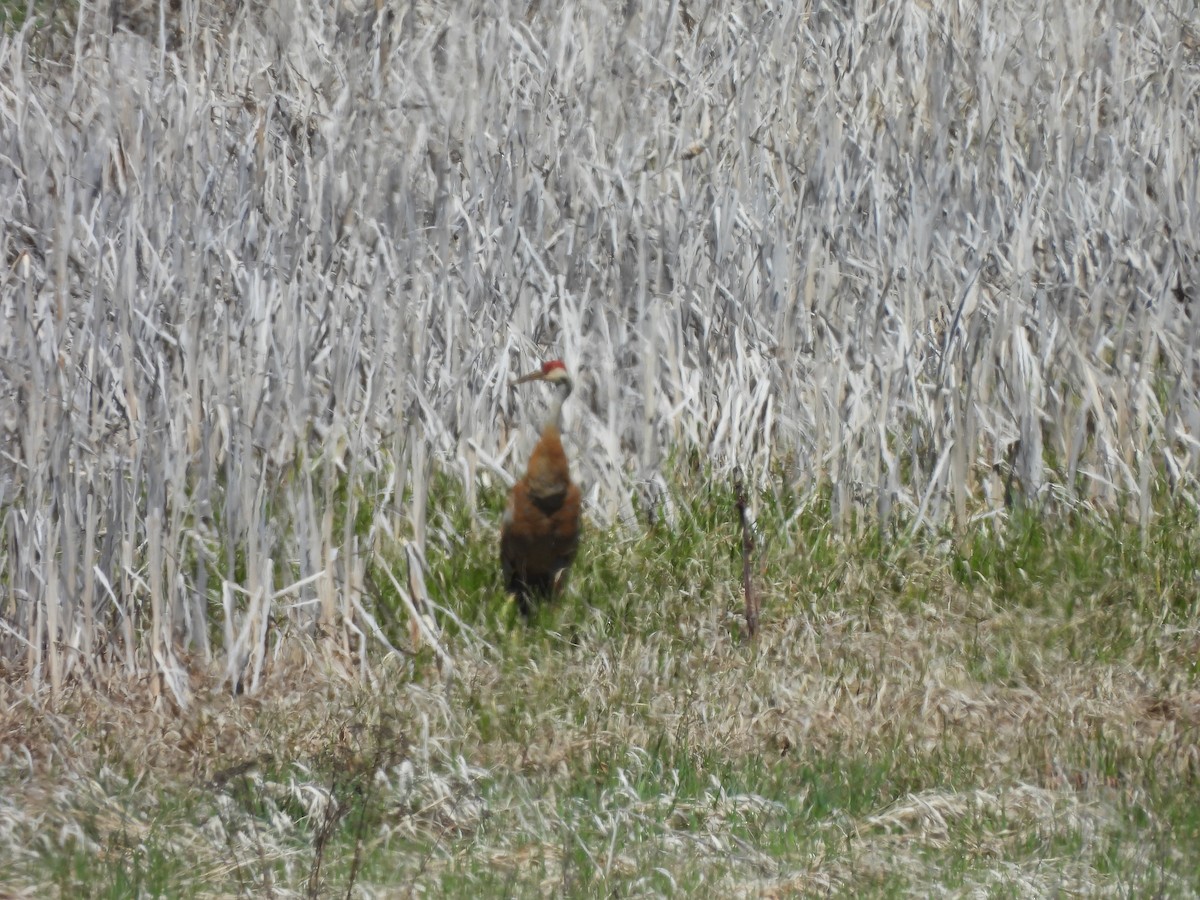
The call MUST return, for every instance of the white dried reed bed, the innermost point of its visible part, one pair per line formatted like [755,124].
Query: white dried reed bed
[260,262]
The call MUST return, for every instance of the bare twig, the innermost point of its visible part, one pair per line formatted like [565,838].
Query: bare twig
[752,605]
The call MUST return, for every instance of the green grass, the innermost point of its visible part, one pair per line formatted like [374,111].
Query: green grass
[1012,711]
[12,15]
[48,20]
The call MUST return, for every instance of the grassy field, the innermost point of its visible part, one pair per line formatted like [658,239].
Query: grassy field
[923,272]
[1012,712]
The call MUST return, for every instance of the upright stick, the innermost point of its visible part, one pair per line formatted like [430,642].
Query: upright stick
[747,551]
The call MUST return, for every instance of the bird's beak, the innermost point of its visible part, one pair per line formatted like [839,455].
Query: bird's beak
[532,376]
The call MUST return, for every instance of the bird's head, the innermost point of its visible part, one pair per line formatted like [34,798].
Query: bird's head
[553,371]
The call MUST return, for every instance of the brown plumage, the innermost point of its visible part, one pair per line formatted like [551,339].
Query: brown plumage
[539,534]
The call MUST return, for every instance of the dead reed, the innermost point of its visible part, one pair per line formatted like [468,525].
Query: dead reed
[264,269]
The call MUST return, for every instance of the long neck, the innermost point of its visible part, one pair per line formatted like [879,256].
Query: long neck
[554,414]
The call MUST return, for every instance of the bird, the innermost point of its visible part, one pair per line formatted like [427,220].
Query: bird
[539,532]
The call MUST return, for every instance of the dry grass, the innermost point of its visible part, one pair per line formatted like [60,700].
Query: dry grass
[266,268]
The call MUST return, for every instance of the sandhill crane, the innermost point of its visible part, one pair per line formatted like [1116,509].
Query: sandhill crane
[539,533]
